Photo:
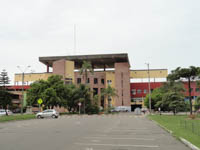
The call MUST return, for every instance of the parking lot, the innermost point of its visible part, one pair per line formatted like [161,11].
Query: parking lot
[105,132]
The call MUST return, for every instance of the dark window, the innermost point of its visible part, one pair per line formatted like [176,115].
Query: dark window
[145,91]
[78,80]
[88,80]
[102,81]
[95,81]
[95,91]
[197,89]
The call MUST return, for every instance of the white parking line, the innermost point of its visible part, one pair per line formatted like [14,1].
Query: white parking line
[117,145]
[112,138]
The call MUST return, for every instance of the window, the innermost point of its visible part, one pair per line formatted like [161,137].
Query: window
[133,91]
[109,82]
[145,91]
[88,80]
[139,91]
[102,81]
[95,81]
[139,99]
[78,80]
[197,89]
[95,91]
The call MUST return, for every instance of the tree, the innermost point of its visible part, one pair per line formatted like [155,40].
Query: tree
[197,103]
[168,97]
[109,92]
[50,98]
[174,101]
[4,79]
[5,99]
[188,74]
[156,97]
[35,92]
[86,67]
[51,91]
[72,97]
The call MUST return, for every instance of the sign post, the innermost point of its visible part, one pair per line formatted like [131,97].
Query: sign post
[40,101]
[79,104]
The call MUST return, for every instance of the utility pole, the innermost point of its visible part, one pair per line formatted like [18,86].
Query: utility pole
[22,100]
[149,85]
[74,39]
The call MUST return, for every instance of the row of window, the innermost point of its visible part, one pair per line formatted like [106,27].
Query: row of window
[145,91]
[95,81]
[138,91]
[139,99]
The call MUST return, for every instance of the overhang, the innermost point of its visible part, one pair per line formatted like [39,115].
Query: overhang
[98,61]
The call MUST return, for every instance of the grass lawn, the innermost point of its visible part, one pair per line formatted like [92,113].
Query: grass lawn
[16,117]
[181,126]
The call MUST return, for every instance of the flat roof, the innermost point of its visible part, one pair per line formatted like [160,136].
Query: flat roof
[97,60]
[147,69]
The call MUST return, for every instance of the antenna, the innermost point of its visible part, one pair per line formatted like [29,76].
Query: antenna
[74,39]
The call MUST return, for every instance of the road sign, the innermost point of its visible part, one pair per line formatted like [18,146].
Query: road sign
[79,104]
[40,101]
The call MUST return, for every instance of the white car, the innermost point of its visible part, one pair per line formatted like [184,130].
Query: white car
[3,112]
[48,113]
[122,109]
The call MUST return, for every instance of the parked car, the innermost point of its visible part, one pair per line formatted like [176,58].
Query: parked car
[122,109]
[48,113]
[3,112]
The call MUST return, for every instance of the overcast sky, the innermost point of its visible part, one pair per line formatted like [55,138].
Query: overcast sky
[165,33]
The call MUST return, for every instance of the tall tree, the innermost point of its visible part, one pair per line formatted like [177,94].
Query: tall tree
[188,74]
[109,93]
[5,99]
[86,67]
[4,79]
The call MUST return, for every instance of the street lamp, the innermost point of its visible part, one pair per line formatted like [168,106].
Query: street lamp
[149,87]
[23,71]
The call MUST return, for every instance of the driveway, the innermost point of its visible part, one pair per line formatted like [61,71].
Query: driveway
[106,132]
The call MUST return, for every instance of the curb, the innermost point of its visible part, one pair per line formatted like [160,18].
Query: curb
[169,131]
[187,143]
[184,141]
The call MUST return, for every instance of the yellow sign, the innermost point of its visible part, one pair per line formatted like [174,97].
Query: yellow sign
[40,101]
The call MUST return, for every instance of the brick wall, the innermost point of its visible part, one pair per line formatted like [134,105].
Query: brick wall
[122,84]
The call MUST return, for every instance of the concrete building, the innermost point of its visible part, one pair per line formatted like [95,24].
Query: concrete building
[109,69]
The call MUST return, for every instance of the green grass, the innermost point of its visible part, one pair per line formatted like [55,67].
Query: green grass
[177,125]
[16,117]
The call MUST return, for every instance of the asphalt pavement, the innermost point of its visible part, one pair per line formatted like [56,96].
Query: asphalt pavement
[124,131]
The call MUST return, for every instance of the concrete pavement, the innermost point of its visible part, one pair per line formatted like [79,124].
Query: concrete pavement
[105,132]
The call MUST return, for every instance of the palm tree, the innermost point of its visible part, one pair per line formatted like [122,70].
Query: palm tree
[86,67]
[109,92]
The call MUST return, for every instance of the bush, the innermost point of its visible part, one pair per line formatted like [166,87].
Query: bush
[92,109]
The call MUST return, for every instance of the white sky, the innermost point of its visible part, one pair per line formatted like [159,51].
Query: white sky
[165,33]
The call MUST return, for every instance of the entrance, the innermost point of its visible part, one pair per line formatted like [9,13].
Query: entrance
[135,106]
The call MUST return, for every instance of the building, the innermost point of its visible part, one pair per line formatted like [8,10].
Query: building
[109,69]
[140,90]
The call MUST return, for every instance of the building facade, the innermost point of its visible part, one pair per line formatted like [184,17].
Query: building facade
[109,69]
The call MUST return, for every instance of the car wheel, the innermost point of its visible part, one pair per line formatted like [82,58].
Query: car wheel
[53,116]
[39,117]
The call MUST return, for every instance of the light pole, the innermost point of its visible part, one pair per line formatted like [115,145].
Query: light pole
[22,100]
[149,87]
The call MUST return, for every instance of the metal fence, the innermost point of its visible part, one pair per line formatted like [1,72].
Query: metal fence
[194,127]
